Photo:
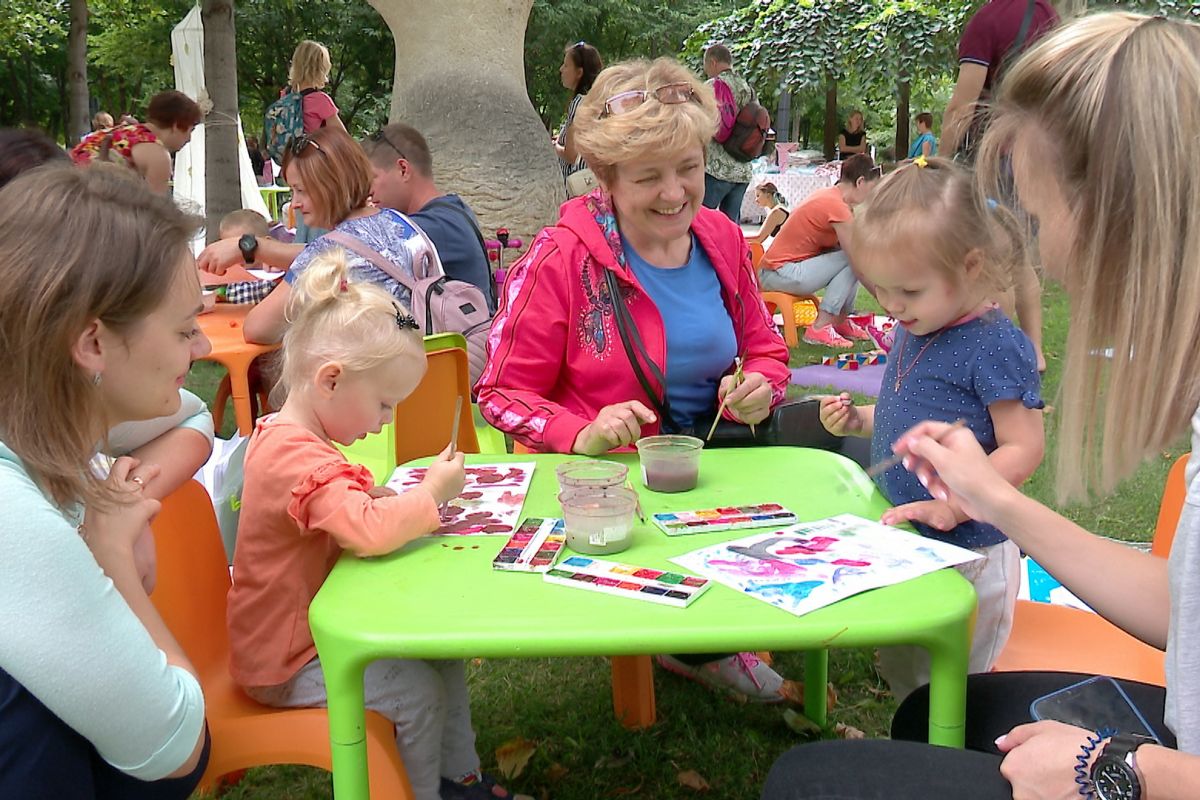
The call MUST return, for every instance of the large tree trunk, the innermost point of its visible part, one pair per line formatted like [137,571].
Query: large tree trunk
[831,116]
[903,114]
[460,80]
[222,184]
[78,116]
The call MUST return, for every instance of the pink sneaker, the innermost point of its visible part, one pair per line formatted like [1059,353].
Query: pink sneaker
[826,336]
[852,330]
[883,339]
[742,675]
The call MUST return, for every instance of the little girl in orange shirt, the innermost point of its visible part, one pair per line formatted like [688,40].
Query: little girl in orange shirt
[350,355]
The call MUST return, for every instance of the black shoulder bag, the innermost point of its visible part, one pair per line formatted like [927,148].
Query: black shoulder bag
[793,423]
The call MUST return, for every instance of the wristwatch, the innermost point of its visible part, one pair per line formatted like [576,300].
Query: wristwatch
[248,244]
[1114,773]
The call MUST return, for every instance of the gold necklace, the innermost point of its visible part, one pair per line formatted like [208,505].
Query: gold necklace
[902,373]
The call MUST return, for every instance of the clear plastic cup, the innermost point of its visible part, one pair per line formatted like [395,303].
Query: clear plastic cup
[598,521]
[590,473]
[670,463]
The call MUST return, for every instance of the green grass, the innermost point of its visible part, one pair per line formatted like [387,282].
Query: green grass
[564,705]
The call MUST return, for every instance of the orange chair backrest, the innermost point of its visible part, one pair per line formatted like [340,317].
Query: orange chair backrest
[423,418]
[1170,509]
[756,254]
[193,576]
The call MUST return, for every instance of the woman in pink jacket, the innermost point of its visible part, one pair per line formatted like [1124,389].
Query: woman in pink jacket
[559,377]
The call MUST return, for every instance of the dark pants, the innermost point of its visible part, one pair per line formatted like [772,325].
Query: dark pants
[724,196]
[906,768]
[42,758]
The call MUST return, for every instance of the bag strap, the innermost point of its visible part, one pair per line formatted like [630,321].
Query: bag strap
[446,202]
[1023,31]
[629,338]
[351,242]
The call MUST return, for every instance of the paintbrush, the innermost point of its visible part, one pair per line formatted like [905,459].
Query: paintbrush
[453,440]
[636,500]
[883,466]
[738,377]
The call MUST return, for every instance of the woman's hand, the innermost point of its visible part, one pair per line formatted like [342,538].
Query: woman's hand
[937,514]
[840,416]
[949,462]
[446,477]
[220,256]
[615,426]
[111,531]
[1040,760]
[749,401]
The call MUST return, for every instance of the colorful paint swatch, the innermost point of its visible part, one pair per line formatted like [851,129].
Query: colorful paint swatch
[625,580]
[533,547]
[727,518]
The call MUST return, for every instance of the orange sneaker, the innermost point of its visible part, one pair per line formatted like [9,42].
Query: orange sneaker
[826,336]
[852,330]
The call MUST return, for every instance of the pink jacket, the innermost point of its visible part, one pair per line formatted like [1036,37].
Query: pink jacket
[554,354]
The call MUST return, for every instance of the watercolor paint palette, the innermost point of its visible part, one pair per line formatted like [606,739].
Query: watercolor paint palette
[533,547]
[727,518]
[627,580]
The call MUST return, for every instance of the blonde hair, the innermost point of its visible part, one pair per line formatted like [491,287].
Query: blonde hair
[246,220]
[652,127]
[310,66]
[1121,93]
[936,209]
[124,248]
[334,317]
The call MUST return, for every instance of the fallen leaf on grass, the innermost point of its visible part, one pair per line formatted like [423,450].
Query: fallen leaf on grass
[621,791]
[556,772]
[801,724]
[845,731]
[693,780]
[514,755]
[765,657]
[793,693]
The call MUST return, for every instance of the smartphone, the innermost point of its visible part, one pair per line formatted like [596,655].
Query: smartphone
[1097,704]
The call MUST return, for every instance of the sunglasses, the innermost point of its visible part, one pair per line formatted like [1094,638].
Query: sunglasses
[302,142]
[380,136]
[670,94]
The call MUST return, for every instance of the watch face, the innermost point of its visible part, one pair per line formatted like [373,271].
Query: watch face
[1115,781]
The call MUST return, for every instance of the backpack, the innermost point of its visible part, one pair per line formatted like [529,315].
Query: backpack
[283,121]
[727,106]
[440,304]
[749,135]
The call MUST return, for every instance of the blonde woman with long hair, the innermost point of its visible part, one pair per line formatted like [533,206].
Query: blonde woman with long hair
[1119,222]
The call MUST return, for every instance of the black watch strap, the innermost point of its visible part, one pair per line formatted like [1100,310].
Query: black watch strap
[1116,755]
[248,244]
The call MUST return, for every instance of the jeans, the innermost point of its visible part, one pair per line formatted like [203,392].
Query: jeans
[724,196]
[905,767]
[829,271]
[42,758]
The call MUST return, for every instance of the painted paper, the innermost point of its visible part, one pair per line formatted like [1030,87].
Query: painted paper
[490,501]
[804,567]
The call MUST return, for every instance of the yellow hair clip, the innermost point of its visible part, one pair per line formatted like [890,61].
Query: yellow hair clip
[921,162]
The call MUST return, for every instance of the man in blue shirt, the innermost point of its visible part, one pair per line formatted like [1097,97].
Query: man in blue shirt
[403,170]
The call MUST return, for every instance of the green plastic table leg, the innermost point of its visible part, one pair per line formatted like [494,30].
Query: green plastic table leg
[347,730]
[948,684]
[816,678]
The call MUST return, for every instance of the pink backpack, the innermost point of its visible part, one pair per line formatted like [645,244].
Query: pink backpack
[727,106]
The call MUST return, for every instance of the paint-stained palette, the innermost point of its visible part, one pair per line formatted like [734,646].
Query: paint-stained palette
[628,580]
[490,502]
[534,547]
[726,518]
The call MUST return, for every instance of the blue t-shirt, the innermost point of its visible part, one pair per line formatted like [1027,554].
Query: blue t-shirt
[701,344]
[388,233]
[446,220]
[915,150]
[965,369]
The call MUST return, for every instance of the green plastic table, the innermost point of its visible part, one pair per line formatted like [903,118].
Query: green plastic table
[440,598]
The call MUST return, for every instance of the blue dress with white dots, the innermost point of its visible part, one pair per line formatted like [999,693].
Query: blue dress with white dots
[960,372]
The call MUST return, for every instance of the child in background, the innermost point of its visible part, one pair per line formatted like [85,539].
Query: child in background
[350,355]
[925,144]
[936,256]
[245,222]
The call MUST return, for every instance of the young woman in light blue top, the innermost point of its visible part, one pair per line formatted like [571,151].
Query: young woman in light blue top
[97,700]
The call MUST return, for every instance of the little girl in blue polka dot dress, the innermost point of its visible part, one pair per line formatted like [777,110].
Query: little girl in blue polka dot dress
[936,256]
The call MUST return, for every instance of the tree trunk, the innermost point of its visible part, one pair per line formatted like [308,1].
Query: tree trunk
[460,80]
[903,114]
[831,116]
[78,122]
[222,183]
[783,117]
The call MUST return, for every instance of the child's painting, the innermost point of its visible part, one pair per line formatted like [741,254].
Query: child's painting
[490,502]
[804,567]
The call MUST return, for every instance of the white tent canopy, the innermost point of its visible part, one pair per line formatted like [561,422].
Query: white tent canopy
[187,53]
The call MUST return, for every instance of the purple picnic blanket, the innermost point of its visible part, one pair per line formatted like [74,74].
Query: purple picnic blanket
[864,380]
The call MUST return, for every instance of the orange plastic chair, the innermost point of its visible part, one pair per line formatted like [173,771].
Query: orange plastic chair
[782,302]
[423,418]
[193,580]
[1054,638]
[259,403]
